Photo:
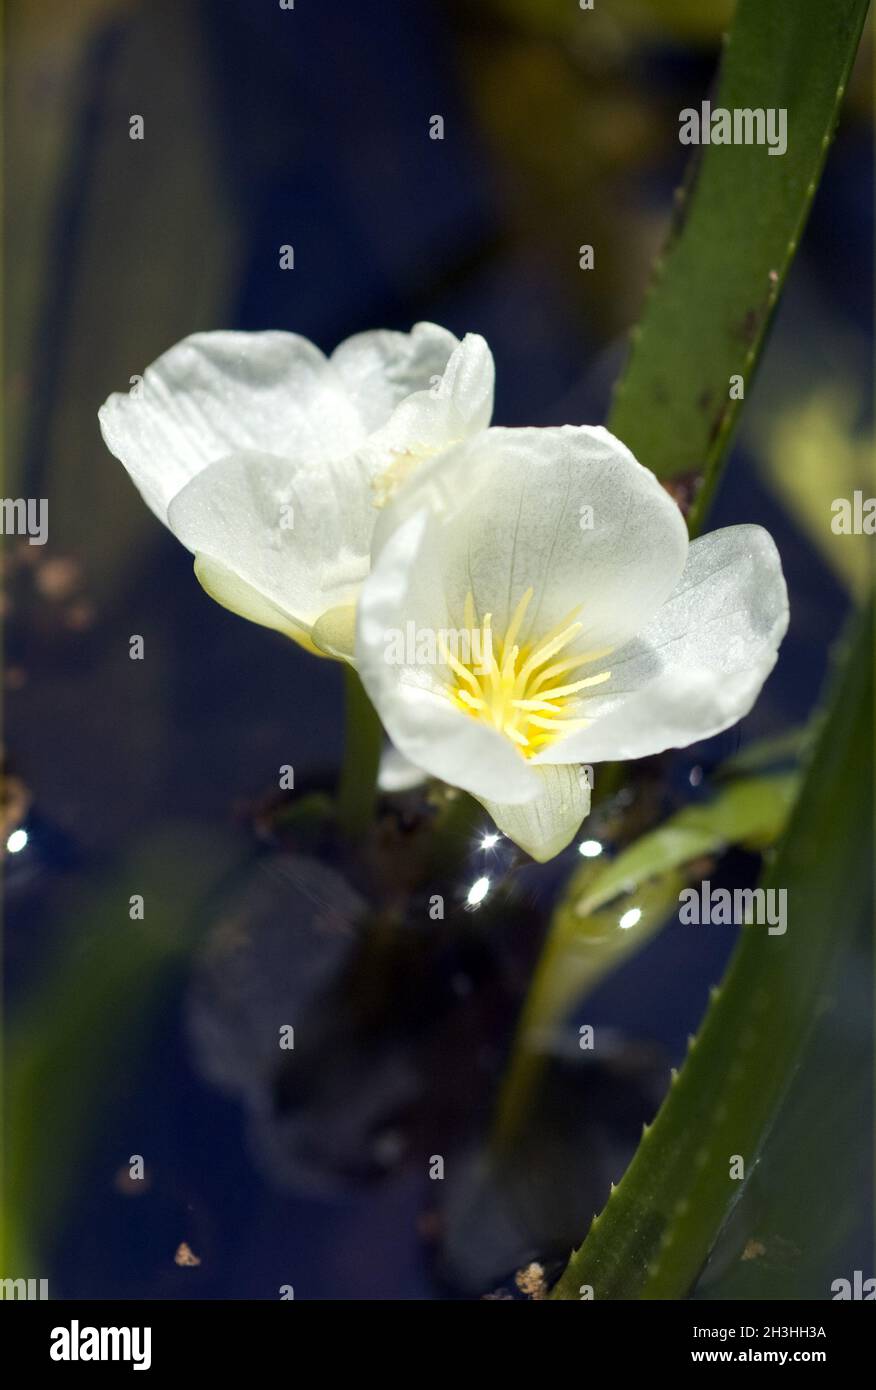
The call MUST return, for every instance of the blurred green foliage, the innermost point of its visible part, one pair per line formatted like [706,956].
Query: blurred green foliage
[689,20]
[74,1048]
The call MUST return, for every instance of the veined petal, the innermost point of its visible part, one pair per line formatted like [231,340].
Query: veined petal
[402,601]
[546,825]
[295,535]
[567,512]
[698,667]
[379,369]
[216,394]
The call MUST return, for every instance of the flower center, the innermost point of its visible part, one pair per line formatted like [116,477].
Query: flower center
[522,690]
[402,463]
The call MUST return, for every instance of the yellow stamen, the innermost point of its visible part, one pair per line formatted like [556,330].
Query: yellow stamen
[508,684]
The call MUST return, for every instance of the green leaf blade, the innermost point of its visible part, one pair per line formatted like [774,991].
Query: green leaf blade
[662,1219]
[735,236]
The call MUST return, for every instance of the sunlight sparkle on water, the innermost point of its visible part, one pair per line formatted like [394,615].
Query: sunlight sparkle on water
[478,891]
[591,849]
[630,918]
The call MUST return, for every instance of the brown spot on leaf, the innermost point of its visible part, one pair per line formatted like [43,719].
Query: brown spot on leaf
[683,490]
[750,325]
[719,421]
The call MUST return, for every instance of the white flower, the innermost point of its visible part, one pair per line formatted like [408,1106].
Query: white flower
[596,631]
[396,773]
[270,461]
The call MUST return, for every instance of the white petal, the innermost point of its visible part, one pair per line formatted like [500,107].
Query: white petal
[233,593]
[406,587]
[699,665]
[516,507]
[469,383]
[380,369]
[297,535]
[216,394]
[334,632]
[396,773]
[545,826]
[458,405]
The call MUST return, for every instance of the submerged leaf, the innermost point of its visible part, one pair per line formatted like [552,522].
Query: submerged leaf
[749,813]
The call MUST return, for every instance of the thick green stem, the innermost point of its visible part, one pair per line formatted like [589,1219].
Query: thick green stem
[363,738]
